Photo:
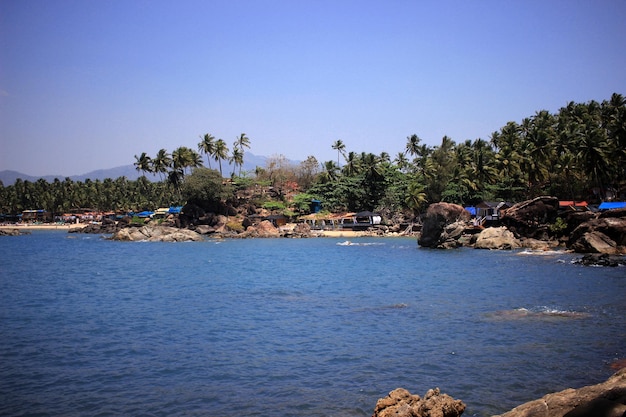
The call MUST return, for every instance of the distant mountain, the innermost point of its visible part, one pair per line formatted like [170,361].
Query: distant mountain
[251,161]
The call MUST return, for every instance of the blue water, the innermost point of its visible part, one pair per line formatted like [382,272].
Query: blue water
[304,327]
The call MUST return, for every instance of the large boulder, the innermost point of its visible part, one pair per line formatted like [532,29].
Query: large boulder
[401,403]
[263,229]
[438,217]
[530,218]
[607,399]
[496,238]
[605,234]
[156,234]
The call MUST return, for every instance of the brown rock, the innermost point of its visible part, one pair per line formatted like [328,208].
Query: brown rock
[496,238]
[262,230]
[602,235]
[438,217]
[156,234]
[530,217]
[607,399]
[401,403]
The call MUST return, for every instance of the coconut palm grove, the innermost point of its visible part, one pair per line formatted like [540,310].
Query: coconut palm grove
[578,153]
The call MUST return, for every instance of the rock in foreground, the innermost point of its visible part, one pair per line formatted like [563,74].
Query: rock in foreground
[401,403]
[607,399]
[157,234]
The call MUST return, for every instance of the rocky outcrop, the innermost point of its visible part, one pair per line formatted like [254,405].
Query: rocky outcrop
[435,231]
[401,403]
[263,230]
[607,399]
[600,259]
[531,218]
[496,238]
[605,234]
[156,234]
[13,232]
[106,227]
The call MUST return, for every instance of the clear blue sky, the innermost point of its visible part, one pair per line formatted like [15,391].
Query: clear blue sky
[86,85]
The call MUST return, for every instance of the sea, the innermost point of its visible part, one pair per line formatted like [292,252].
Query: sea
[294,327]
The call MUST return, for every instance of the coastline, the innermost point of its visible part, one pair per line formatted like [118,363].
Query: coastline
[46,226]
[69,226]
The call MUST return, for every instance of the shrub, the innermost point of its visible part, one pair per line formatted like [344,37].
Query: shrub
[558,227]
[274,205]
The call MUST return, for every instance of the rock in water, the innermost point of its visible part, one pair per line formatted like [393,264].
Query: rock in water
[602,235]
[607,399]
[496,238]
[157,234]
[438,217]
[401,403]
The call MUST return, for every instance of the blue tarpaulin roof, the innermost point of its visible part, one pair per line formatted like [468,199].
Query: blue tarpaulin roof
[175,210]
[612,205]
[145,214]
[472,210]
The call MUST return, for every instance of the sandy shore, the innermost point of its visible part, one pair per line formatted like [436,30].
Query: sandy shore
[42,226]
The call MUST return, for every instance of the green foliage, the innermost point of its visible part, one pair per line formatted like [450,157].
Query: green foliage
[274,205]
[204,187]
[582,147]
[241,183]
[558,227]
[302,202]
[137,220]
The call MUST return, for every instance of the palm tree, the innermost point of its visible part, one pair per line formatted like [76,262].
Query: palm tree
[143,163]
[181,159]
[236,159]
[401,162]
[241,142]
[340,147]
[412,145]
[161,163]
[329,172]
[207,146]
[221,152]
[352,164]
[195,159]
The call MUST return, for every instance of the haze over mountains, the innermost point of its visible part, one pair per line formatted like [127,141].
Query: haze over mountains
[8,177]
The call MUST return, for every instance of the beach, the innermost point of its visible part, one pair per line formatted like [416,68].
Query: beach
[43,226]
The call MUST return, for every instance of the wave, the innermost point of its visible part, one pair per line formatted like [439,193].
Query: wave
[350,243]
[538,313]
[540,252]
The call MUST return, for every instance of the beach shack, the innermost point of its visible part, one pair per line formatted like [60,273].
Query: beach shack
[571,205]
[278,220]
[161,212]
[36,216]
[491,211]
[361,220]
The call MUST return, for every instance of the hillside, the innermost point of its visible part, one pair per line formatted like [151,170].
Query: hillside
[8,177]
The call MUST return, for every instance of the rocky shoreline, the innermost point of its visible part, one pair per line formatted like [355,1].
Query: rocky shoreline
[529,224]
[606,399]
